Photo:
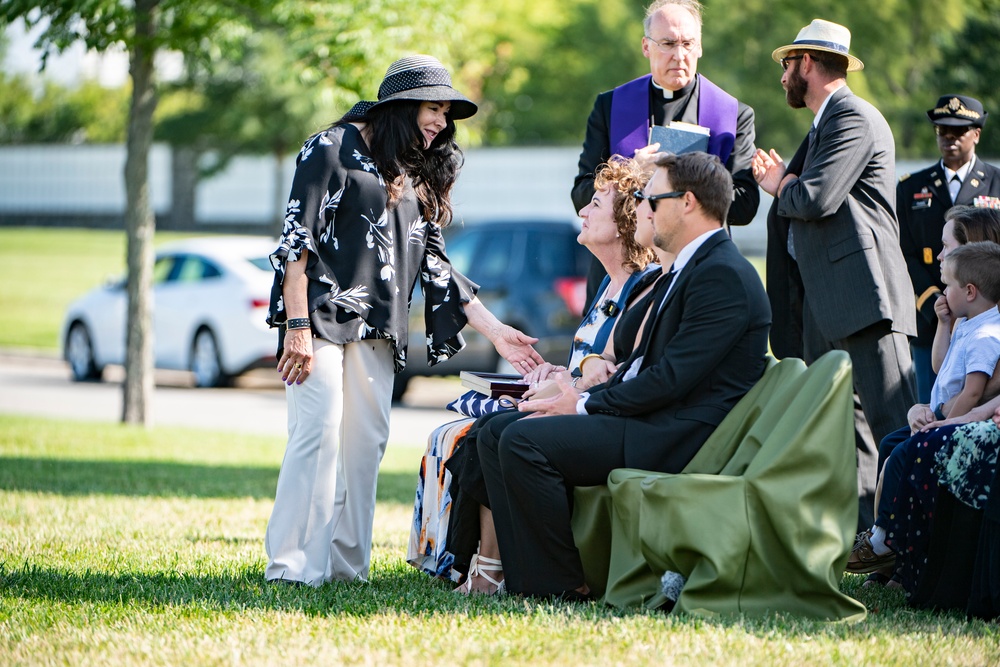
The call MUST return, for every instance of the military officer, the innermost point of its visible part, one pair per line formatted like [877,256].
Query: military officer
[921,201]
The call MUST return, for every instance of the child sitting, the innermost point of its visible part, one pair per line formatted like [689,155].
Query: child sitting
[971,274]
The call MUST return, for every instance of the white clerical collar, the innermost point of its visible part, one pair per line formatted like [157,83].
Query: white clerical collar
[961,172]
[667,94]
[671,94]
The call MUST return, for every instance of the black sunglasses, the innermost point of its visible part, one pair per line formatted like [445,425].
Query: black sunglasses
[652,199]
[787,59]
[951,130]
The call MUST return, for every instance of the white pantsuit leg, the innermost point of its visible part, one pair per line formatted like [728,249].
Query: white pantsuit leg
[338,425]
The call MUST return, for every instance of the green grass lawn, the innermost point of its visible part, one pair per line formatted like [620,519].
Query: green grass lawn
[42,270]
[127,546]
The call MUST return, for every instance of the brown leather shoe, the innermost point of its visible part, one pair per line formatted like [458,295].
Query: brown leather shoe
[863,557]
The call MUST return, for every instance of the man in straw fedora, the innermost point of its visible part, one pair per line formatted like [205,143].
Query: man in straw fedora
[836,277]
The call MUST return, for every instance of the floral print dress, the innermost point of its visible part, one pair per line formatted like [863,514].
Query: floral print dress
[962,459]
[364,258]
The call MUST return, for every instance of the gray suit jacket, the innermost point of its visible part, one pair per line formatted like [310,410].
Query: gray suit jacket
[841,211]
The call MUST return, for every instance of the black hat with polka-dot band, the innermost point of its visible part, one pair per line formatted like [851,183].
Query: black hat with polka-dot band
[418,78]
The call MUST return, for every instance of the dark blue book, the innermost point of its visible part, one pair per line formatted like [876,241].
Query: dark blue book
[678,137]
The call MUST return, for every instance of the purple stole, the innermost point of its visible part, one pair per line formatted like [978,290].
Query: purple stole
[717,110]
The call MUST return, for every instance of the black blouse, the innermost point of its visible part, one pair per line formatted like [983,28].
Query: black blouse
[630,322]
[364,259]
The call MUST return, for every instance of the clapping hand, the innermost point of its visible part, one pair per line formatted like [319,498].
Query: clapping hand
[769,171]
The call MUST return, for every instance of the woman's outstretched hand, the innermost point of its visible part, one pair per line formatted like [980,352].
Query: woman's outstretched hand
[515,347]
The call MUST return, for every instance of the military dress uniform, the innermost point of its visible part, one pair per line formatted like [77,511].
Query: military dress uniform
[922,199]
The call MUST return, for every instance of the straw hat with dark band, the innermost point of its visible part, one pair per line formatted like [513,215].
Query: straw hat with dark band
[421,78]
[822,35]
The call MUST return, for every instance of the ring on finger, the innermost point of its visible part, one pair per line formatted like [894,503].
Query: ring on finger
[298,365]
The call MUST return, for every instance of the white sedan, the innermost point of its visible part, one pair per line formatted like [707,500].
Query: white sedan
[210,298]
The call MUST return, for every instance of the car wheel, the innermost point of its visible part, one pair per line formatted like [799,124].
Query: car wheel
[205,361]
[80,354]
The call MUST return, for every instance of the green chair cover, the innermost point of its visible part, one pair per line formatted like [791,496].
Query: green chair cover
[761,520]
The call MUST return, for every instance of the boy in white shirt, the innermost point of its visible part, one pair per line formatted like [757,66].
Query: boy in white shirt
[969,277]
[971,274]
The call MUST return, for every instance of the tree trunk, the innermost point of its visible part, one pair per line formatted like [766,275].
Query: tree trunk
[140,224]
[183,187]
[280,193]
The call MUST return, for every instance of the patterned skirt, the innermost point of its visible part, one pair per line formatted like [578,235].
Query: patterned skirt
[961,459]
[432,507]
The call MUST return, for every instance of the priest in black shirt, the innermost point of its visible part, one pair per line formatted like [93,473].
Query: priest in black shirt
[620,120]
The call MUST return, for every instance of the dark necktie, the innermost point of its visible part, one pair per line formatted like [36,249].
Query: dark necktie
[797,169]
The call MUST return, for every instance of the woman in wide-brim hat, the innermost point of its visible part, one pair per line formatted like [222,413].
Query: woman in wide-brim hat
[368,201]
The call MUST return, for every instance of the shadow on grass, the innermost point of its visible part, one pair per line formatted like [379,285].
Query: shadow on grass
[401,591]
[164,479]
[406,592]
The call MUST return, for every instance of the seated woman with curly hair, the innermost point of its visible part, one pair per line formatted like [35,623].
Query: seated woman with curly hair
[452,532]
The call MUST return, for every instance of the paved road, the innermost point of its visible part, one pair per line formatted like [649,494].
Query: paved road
[40,386]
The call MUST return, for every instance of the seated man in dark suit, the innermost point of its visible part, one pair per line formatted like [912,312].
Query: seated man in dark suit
[703,346]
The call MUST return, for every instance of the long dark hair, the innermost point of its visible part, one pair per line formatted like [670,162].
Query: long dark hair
[397,147]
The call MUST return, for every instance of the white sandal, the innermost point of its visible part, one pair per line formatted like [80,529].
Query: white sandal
[479,566]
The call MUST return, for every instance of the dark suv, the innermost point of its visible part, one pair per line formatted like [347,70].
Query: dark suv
[532,275]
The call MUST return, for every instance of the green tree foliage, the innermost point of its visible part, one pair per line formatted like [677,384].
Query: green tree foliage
[898,40]
[47,112]
[970,66]
[340,53]
[144,27]
[542,63]
[535,66]
[287,83]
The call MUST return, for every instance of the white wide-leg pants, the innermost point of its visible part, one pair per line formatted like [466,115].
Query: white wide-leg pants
[338,425]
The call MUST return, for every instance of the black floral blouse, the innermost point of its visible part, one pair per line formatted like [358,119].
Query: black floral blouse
[364,259]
